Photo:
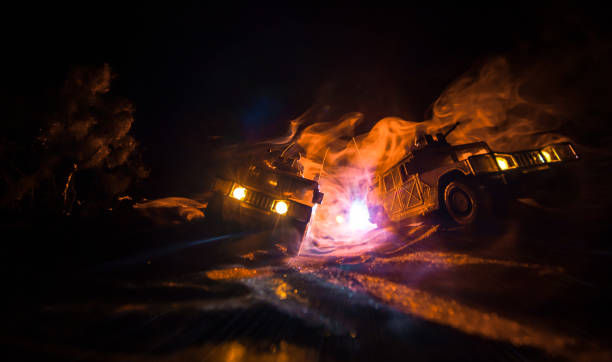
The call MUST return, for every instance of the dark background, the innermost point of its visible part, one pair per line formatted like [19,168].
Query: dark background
[205,76]
[197,72]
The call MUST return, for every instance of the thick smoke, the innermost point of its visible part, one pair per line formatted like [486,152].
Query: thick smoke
[509,106]
[521,101]
[83,152]
[493,107]
[91,128]
[508,103]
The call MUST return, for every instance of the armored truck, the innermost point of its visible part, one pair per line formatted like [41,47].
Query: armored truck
[466,182]
[268,194]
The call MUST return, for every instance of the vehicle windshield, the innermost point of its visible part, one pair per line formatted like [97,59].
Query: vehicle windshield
[304,195]
[290,187]
[466,151]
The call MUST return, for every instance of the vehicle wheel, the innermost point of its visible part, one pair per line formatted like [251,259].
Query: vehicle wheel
[462,202]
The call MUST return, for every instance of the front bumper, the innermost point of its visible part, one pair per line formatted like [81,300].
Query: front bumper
[284,233]
[244,214]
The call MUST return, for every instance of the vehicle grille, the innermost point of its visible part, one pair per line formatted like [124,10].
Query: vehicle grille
[528,158]
[258,199]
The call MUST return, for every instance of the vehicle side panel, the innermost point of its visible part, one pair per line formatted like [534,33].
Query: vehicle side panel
[414,194]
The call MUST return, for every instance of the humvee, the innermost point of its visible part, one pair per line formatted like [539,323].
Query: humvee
[269,195]
[466,182]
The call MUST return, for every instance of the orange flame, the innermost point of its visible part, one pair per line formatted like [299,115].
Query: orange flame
[491,107]
[350,163]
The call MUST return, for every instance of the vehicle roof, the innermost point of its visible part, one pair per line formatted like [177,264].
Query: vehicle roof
[411,154]
[293,176]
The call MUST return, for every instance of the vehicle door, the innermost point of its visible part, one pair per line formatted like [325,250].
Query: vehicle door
[403,191]
[410,193]
[390,200]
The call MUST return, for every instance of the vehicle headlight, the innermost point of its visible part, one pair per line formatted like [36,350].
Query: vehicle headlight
[280,207]
[505,162]
[559,152]
[550,154]
[239,192]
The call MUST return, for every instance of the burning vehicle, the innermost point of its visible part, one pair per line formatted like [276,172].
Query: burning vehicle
[466,182]
[269,195]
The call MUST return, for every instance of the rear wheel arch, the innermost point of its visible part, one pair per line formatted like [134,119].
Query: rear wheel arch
[444,180]
[456,183]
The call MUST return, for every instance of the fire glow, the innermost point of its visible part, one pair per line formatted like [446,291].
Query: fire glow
[359,217]
[342,221]
[490,108]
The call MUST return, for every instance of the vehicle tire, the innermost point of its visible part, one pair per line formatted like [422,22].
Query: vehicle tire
[463,202]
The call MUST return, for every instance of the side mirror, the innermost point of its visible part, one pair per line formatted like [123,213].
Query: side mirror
[317,197]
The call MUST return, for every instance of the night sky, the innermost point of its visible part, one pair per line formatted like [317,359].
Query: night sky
[195,72]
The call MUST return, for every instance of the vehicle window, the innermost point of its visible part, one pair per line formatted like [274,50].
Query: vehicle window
[294,189]
[263,178]
[403,173]
[272,180]
[388,182]
[397,177]
[472,151]
[410,167]
[305,195]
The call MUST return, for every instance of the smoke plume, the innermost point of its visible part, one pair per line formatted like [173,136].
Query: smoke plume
[83,145]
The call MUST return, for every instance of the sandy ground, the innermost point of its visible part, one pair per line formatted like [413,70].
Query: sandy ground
[537,288]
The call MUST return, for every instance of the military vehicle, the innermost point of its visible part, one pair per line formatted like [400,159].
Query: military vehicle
[466,182]
[268,194]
